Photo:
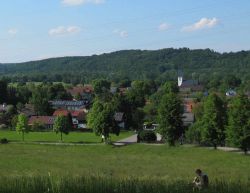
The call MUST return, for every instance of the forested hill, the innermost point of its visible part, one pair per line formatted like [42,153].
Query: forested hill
[135,64]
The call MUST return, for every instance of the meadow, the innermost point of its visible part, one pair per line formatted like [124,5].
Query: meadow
[135,168]
[72,137]
[98,168]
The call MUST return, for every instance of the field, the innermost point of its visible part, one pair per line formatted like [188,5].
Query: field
[134,160]
[99,168]
[72,137]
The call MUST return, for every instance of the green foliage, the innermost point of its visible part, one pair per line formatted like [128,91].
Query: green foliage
[101,85]
[107,184]
[238,130]
[170,118]
[3,91]
[40,100]
[146,136]
[193,134]
[4,141]
[101,119]
[62,125]
[170,87]
[161,65]
[213,121]
[22,125]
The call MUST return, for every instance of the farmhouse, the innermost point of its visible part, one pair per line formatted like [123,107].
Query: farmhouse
[46,121]
[78,116]
[27,110]
[85,92]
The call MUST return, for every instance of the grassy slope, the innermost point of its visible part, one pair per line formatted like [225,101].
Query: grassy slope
[53,137]
[134,160]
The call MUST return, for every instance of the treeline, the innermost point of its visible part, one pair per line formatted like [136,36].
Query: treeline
[207,66]
[221,121]
[37,95]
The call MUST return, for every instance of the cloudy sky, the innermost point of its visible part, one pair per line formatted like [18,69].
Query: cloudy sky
[38,29]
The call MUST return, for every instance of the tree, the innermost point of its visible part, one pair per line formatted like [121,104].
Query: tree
[40,100]
[238,130]
[101,87]
[22,125]
[62,124]
[170,118]
[3,91]
[101,119]
[213,121]
[170,87]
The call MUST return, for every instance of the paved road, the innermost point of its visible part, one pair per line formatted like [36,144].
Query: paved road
[130,140]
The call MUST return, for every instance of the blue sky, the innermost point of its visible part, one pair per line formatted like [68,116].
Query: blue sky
[38,29]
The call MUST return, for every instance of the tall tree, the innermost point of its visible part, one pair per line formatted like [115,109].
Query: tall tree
[22,125]
[3,91]
[238,130]
[101,119]
[170,118]
[214,120]
[62,124]
[40,100]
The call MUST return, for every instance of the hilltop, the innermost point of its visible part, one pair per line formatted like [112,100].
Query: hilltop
[135,64]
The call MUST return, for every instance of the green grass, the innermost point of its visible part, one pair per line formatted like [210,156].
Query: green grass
[74,137]
[130,161]
[27,168]
[99,184]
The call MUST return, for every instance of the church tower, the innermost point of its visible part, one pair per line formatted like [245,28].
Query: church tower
[180,78]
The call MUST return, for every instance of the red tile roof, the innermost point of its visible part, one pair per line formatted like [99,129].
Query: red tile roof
[47,120]
[62,112]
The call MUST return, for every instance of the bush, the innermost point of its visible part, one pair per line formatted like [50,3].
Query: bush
[4,141]
[147,136]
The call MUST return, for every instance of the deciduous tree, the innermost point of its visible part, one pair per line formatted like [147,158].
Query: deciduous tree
[238,130]
[22,125]
[170,118]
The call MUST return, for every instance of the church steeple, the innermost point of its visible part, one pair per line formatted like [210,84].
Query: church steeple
[180,78]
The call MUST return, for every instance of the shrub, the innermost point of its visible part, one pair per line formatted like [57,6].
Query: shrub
[4,141]
[147,136]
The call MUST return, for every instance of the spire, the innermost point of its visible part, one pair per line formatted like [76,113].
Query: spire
[180,78]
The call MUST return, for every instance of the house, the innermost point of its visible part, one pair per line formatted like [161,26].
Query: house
[231,93]
[68,105]
[86,92]
[187,119]
[120,119]
[27,110]
[47,121]
[189,104]
[189,85]
[78,116]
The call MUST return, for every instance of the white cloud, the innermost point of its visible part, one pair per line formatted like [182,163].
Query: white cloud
[62,30]
[204,23]
[80,2]
[121,33]
[12,32]
[163,27]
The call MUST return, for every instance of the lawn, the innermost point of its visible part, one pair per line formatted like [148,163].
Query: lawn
[74,137]
[139,161]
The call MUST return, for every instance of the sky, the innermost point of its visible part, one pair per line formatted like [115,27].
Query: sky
[39,29]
